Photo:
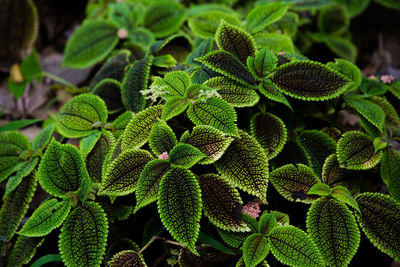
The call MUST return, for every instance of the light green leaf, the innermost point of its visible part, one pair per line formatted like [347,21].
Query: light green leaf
[206,239]
[164,61]
[263,63]
[162,138]
[255,249]
[270,91]
[110,91]
[123,173]
[81,115]
[127,258]
[334,230]
[125,15]
[309,80]
[200,50]
[43,138]
[293,182]
[23,170]
[392,119]
[309,4]
[266,223]
[48,216]
[214,112]
[320,189]
[173,84]
[87,143]
[233,239]
[380,221]
[264,15]
[120,123]
[135,81]
[343,194]
[15,125]
[221,202]
[270,131]
[23,250]
[138,129]
[185,155]
[62,169]
[212,142]
[179,205]
[356,151]
[174,107]
[144,38]
[275,42]
[84,246]
[390,172]
[372,87]
[294,247]
[394,88]
[349,70]
[90,44]
[245,164]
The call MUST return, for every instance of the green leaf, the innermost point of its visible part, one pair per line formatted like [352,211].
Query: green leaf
[354,7]
[206,239]
[225,63]
[233,239]
[24,250]
[348,69]
[341,47]
[87,143]
[134,82]
[120,123]
[318,146]
[264,15]
[174,107]
[221,202]
[251,221]
[200,50]
[392,119]
[266,223]
[173,84]
[179,205]
[90,44]
[123,173]
[379,219]
[212,142]
[309,80]
[46,259]
[245,164]
[149,182]
[84,246]
[309,4]
[334,230]
[43,138]
[127,258]
[343,194]
[214,112]
[389,3]
[292,153]
[320,189]
[114,211]
[236,94]
[270,91]
[270,131]
[164,18]
[294,247]
[372,87]
[371,111]
[233,39]
[62,169]
[205,24]
[48,216]
[80,115]
[356,151]
[110,91]
[185,155]
[333,20]
[293,182]
[275,42]
[23,170]
[14,208]
[263,63]
[162,138]
[390,172]
[394,88]
[255,249]
[138,129]
[15,125]
[125,14]
[281,217]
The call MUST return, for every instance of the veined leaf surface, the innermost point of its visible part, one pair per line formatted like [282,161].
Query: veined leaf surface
[174,107]
[263,63]
[185,155]
[270,91]
[43,138]
[233,239]
[23,170]
[266,223]
[162,138]
[390,172]
[23,250]
[127,258]
[264,15]
[120,123]
[110,91]
[255,249]
[173,84]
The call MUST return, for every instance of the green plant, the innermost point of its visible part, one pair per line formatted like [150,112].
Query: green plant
[203,133]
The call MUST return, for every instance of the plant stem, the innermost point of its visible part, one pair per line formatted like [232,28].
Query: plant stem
[57,79]
[154,238]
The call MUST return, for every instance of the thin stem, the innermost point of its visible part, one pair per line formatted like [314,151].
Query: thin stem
[154,238]
[58,79]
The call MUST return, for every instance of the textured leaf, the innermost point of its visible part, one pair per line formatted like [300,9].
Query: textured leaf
[356,151]
[255,249]
[334,230]
[123,173]
[233,239]
[173,84]
[263,63]
[233,92]
[138,129]
[320,189]
[372,87]
[235,40]
[134,82]
[293,182]
[43,138]
[48,216]
[110,91]
[164,18]
[205,24]
[264,15]
[125,14]
[149,182]
[394,88]
[62,169]
[208,240]
[212,142]
[225,63]
[292,153]
[294,247]
[245,165]
[179,205]
[111,155]
[79,116]
[90,44]
[174,107]
[84,246]
[281,217]
[87,143]
[392,119]
[143,38]
[275,42]
[114,211]
[23,250]
[270,131]
[390,172]
[371,111]
[18,124]
[266,223]
[127,258]
[214,112]
[309,80]
[341,47]
[221,202]
[162,138]
[318,146]
[14,208]
[349,70]
[270,91]
[333,20]
[120,123]
[185,155]
[343,194]
[379,220]
[200,50]
[23,170]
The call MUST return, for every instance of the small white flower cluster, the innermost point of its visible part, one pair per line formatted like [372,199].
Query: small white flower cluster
[154,92]
[208,94]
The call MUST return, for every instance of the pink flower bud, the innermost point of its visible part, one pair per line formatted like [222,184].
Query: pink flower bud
[122,33]
[252,208]
[387,79]
[164,156]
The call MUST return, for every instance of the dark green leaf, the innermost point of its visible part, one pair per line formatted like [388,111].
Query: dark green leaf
[292,153]
[354,7]
[162,138]
[264,15]
[127,258]
[309,4]
[394,88]
[255,249]
[43,138]
[341,47]
[389,3]
[270,91]
[266,223]
[120,123]
[349,70]
[87,143]
[173,84]
[281,217]
[200,50]
[46,259]
[263,63]
[390,172]
[392,119]
[114,211]
[144,38]
[174,107]
[110,91]
[372,87]
[206,239]
[125,15]
[333,20]
[15,125]
[233,239]
[24,250]
[23,170]
[185,155]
